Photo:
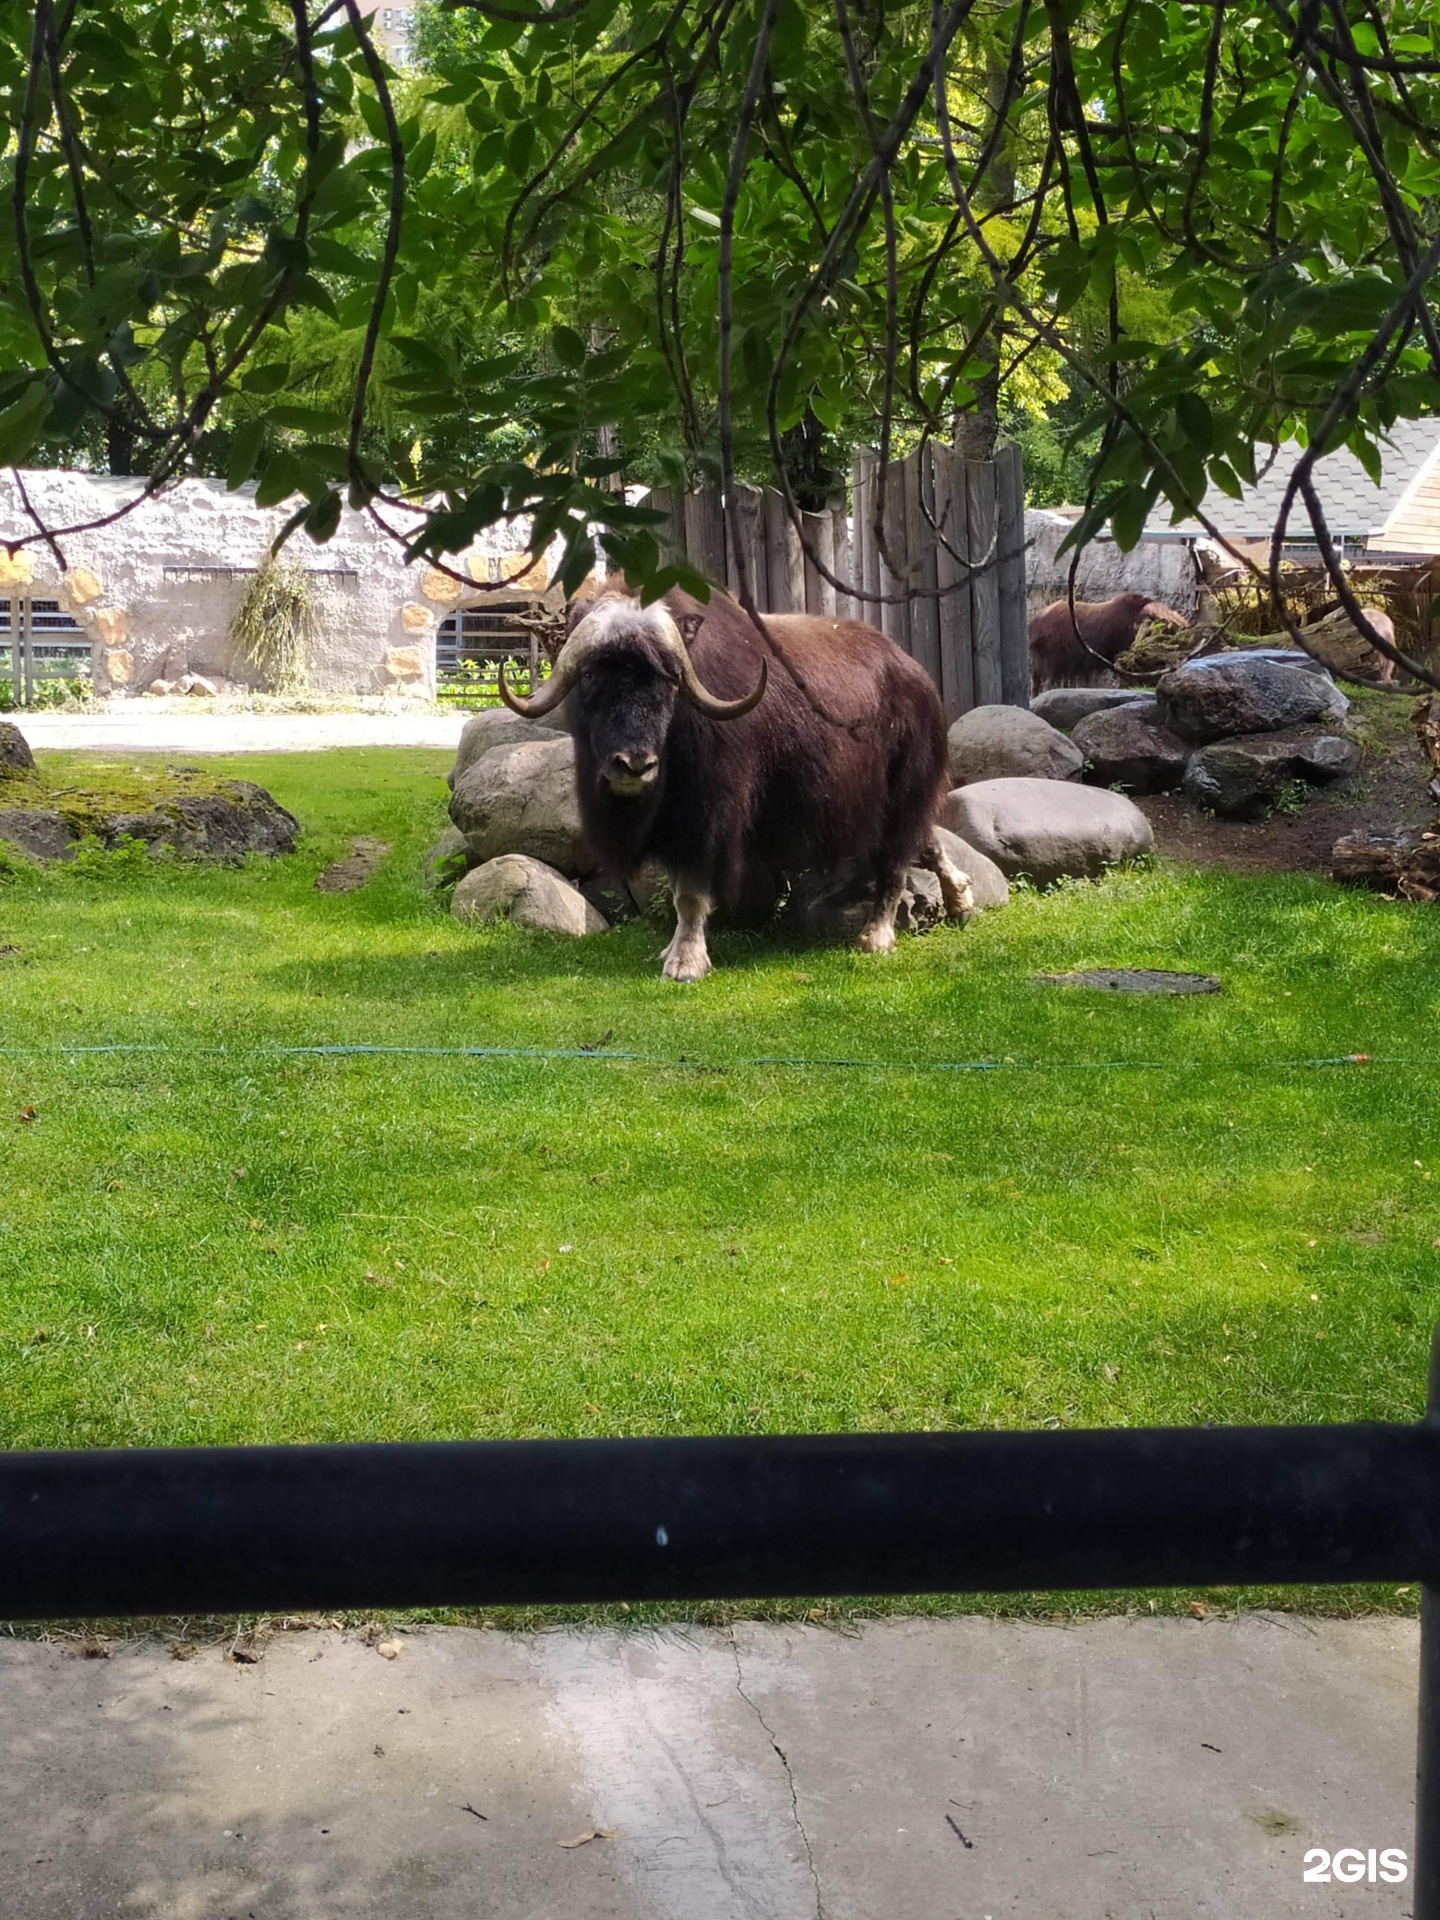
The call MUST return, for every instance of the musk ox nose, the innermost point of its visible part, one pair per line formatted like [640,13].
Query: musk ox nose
[630,771]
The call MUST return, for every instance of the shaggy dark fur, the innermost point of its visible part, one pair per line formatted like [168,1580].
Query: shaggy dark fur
[1058,659]
[739,803]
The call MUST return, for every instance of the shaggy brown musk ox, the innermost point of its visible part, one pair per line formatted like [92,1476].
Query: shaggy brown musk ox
[1107,628]
[691,751]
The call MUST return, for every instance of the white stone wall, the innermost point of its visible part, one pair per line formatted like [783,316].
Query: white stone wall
[1161,569]
[152,593]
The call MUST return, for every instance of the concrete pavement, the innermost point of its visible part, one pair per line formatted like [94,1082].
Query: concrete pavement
[953,1770]
[132,728]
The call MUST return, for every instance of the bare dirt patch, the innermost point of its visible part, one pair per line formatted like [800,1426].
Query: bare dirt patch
[1388,792]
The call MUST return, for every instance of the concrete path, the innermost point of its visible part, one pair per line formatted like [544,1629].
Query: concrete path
[128,730]
[1124,1770]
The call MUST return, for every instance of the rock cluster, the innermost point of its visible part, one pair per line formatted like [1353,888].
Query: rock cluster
[1236,731]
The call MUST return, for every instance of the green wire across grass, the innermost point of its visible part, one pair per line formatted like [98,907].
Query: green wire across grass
[1148,1214]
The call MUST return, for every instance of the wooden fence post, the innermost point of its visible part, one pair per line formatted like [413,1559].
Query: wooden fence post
[957,666]
[984,586]
[705,533]
[820,541]
[894,613]
[784,561]
[844,563]
[749,506]
[1010,538]
[671,530]
[922,570]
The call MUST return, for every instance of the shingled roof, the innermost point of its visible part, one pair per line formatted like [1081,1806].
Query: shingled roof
[1402,514]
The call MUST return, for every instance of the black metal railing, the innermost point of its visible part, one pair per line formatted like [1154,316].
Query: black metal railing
[242,1529]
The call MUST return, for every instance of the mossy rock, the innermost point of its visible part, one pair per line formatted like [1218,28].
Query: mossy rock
[16,759]
[182,810]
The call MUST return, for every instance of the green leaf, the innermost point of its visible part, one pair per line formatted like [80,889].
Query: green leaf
[282,477]
[569,347]
[20,424]
[245,451]
[266,379]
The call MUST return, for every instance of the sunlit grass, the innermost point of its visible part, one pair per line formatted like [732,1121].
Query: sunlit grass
[1149,1211]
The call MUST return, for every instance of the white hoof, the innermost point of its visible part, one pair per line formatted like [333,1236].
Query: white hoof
[686,966]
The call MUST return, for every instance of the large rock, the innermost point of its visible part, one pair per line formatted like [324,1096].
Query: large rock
[39,833]
[515,887]
[994,743]
[448,860]
[1242,779]
[835,906]
[1278,656]
[496,727]
[239,819]
[1046,829]
[1224,695]
[521,799]
[1130,747]
[987,882]
[1064,707]
[15,755]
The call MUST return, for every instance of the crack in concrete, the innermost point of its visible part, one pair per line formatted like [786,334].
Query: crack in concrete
[783,1758]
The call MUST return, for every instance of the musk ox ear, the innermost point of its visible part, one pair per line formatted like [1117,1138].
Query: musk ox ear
[689,625]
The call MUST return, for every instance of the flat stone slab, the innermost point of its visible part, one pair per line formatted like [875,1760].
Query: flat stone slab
[1133,980]
[1146,1769]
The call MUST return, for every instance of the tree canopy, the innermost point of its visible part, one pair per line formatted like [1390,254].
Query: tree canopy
[710,236]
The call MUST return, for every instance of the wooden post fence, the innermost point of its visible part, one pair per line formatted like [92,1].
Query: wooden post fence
[942,516]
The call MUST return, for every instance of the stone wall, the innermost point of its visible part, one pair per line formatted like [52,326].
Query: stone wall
[1161,569]
[156,590]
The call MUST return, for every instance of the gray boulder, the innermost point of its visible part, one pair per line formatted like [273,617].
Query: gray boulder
[1130,747]
[835,906]
[1064,707]
[1242,779]
[39,833]
[1225,695]
[521,799]
[496,727]
[448,860]
[15,755]
[993,743]
[516,887]
[987,882]
[1047,829]
[225,826]
[1278,656]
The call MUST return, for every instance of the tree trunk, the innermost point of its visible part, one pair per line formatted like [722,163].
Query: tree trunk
[978,428]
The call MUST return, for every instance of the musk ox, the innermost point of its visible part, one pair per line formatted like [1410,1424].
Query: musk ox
[1107,628]
[689,752]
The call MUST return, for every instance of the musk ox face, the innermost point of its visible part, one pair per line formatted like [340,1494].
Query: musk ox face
[626,705]
[626,665]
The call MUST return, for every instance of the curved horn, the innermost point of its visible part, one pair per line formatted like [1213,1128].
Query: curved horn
[554,690]
[695,690]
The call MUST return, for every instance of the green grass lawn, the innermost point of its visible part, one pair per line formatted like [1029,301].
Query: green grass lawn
[1150,1212]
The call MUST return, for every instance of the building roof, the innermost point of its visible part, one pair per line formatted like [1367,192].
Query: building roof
[1402,514]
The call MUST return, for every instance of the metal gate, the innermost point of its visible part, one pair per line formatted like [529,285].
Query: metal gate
[481,637]
[39,642]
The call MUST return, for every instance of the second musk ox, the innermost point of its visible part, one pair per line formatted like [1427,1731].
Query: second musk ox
[1061,658]
[690,752]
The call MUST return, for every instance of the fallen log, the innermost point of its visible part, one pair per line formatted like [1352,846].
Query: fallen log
[1334,642]
[1404,864]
